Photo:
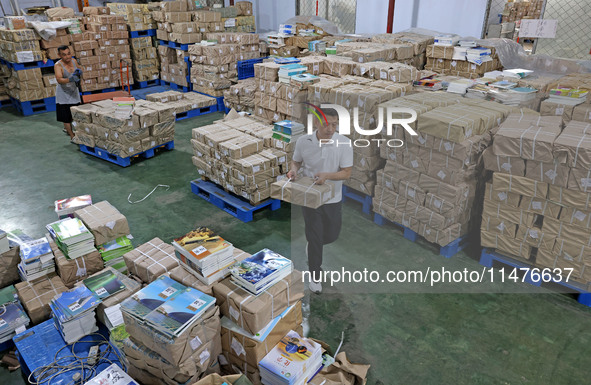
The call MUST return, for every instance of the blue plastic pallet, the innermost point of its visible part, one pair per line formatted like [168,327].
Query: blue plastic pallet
[488,257]
[145,84]
[5,103]
[228,202]
[246,67]
[38,346]
[30,65]
[357,196]
[447,251]
[144,33]
[174,86]
[175,45]
[220,100]
[197,112]
[111,89]
[34,106]
[123,162]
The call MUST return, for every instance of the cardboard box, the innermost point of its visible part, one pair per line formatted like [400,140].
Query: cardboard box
[573,146]
[36,296]
[303,192]
[570,198]
[549,108]
[104,221]
[579,179]
[520,185]
[506,245]
[503,164]
[566,231]
[575,216]
[59,13]
[531,143]
[552,173]
[254,313]
[494,194]
[498,226]
[150,260]
[89,11]
[72,271]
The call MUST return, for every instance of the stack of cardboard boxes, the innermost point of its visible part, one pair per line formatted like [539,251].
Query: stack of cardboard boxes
[175,66]
[537,206]
[50,46]
[441,59]
[138,16]
[103,51]
[182,102]
[146,65]
[238,18]
[568,111]
[237,155]
[418,41]
[20,46]
[179,24]
[122,131]
[30,84]
[523,9]
[240,96]
[214,67]
[429,185]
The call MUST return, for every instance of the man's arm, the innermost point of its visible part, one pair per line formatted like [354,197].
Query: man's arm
[342,174]
[59,75]
[293,169]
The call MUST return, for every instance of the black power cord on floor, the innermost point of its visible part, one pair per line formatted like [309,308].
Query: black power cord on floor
[84,368]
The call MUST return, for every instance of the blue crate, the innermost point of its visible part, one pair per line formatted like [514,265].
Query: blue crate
[123,162]
[30,65]
[146,84]
[229,202]
[174,86]
[144,33]
[196,112]
[447,251]
[39,345]
[175,45]
[357,196]
[33,107]
[246,68]
[490,258]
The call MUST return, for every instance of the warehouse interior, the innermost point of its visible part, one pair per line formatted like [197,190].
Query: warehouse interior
[200,134]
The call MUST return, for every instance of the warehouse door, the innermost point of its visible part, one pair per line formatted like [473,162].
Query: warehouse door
[340,12]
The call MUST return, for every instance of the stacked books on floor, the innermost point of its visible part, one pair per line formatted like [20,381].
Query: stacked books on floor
[64,208]
[73,313]
[288,131]
[13,318]
[293,361]
[261,271]
[571,97]
[112,253]
[104,285]
[205,253]
[167,306]
[37,260]
[72,237]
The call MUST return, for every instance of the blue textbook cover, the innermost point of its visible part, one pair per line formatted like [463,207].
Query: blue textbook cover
[174,315]
[259,266]
[150,297]
[12,316]
[71,304]
[33,250]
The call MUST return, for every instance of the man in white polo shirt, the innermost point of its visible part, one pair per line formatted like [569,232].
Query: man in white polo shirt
[319,157]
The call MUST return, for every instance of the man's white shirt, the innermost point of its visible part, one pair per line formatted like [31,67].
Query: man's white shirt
[328,157]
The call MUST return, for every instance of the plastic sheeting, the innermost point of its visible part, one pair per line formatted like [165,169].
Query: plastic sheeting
[47,29]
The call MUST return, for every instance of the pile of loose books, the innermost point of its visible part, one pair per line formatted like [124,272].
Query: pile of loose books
[293,361]
[112,253]
[37,259]
[104,285]
[72,237]
[73,313]
[261,271]
[568,96]
[288,131]
[64,208]
[13,318]
[205,253]
[167,306]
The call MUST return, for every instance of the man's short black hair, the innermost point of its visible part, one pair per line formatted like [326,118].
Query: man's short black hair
[62,48]
[331,112]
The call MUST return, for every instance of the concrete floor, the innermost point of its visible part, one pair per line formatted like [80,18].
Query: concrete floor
[525,336]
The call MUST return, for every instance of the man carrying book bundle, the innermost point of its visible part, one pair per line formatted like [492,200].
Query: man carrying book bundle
[320,158]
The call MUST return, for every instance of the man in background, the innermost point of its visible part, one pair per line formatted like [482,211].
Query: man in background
[67,93]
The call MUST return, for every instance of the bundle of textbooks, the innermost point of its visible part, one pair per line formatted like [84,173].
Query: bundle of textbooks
[568,96]
[112,253]
[206,253]
[37,259]
[293,361]
[113,375]
[72,237]
[478,55]
[13,318]
[288,131]
[64,208]
[261,271]
[167,306]
[104,285]
[73,313]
